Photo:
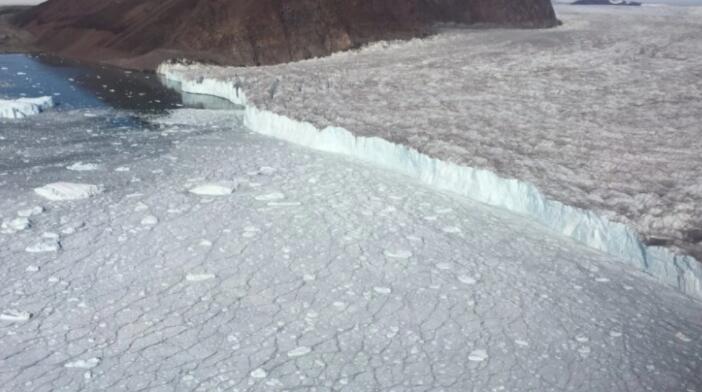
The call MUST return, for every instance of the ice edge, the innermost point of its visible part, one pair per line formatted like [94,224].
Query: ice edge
[586,227]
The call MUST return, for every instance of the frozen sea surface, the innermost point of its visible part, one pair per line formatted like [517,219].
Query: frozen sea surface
[316,272]
[602,113]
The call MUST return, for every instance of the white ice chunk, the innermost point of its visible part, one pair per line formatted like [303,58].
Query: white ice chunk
[382,290]
[29,212]
[24,107]
[397,254]
[83,363]
[465,279]
[15,316]
[267,171]
[478,355]
[199,277]
[44,247]
[214,189]
[149,220]
[271,196]
[80,166]
[60,191]
[14,225]
[682,337]
[299,351]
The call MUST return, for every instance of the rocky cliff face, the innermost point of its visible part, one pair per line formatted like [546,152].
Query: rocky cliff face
[142,33]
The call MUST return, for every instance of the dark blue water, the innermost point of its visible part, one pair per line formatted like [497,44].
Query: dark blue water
[80,86]
[104,116]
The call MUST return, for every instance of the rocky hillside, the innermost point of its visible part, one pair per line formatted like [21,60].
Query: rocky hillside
[142,33]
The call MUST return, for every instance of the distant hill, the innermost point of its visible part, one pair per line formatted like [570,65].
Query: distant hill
[142,33]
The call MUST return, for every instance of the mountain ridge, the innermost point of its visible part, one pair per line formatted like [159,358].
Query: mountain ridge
[143,33]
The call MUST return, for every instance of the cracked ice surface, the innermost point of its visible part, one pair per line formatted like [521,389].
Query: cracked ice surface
[354,284]
[602,113]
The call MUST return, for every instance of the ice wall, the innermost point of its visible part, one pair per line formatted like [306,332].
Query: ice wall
[23,107]
[485,186]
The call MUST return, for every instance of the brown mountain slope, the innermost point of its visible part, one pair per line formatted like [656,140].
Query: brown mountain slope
[142,33]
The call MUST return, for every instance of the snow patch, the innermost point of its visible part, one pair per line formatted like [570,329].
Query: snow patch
[523,198]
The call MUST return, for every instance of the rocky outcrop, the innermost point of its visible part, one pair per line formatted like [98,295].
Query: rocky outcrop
[142,33]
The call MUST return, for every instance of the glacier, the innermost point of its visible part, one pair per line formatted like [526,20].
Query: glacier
[586,227]
[24,107]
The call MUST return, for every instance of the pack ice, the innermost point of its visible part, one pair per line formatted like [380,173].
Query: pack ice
[24,107]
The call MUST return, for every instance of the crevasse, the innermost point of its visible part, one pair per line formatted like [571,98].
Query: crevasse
[586,227]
